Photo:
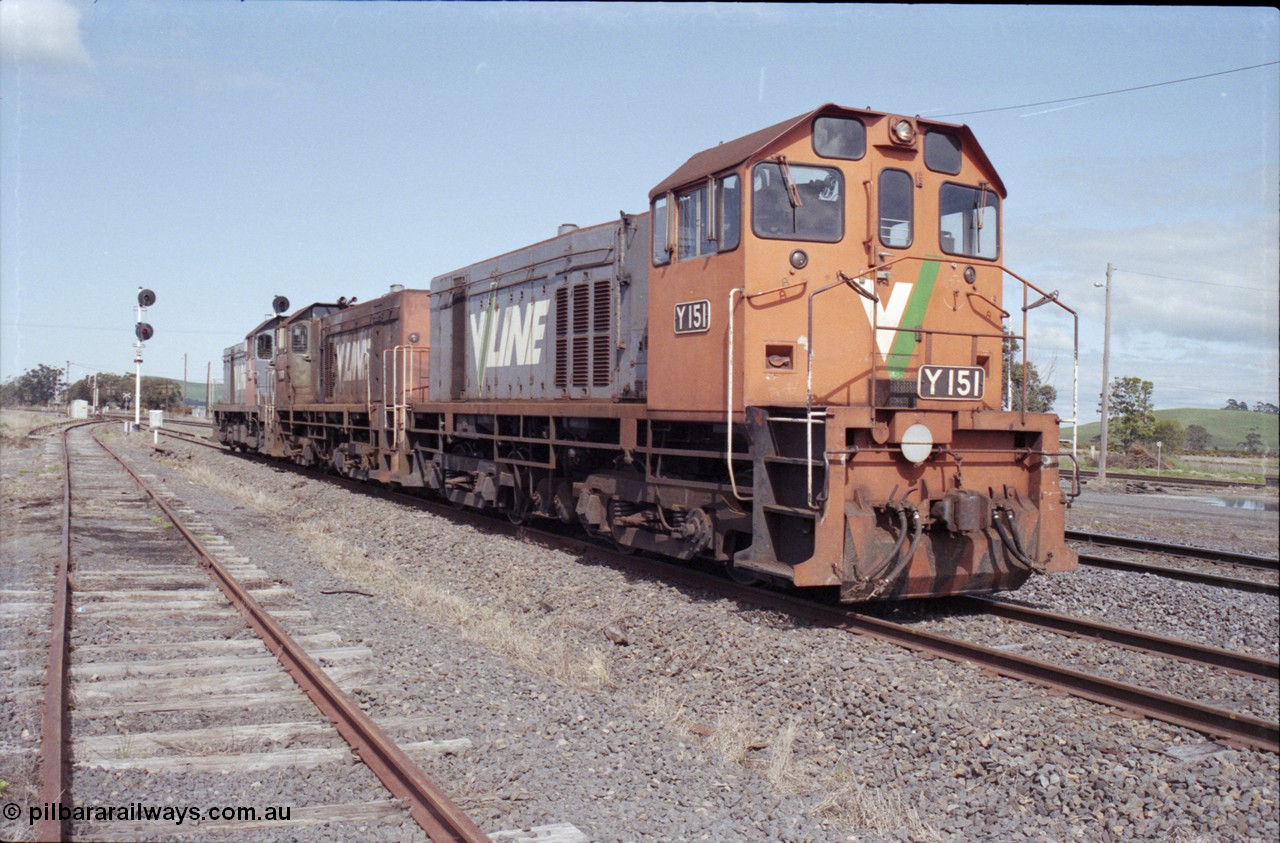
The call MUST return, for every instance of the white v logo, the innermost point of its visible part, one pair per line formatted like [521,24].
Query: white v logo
[890,315]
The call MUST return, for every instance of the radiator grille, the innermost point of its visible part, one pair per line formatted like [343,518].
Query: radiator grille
[583,343]
[327,370]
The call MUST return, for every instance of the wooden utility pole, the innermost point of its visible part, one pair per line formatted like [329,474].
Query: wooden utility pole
[1106,378]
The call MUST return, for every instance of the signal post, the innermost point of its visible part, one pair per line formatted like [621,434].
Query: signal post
[143,332]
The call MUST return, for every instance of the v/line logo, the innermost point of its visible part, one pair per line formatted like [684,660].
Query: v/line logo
[352,359]
[510,337]
[900,316]
[887,316]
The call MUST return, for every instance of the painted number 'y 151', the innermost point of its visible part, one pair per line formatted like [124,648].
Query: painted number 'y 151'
[693,317]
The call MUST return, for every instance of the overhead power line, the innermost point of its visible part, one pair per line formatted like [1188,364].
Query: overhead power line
[1194,281]
[1110,93]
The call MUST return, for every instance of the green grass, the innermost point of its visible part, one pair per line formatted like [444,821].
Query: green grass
[1227,428]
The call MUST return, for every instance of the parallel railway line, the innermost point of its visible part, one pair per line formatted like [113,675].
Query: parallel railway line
[135,580]
[1204,482]
[1267,567]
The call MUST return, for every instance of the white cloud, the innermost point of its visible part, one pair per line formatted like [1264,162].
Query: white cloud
[42,33]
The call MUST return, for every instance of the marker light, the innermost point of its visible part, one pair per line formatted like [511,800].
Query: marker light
[970,274]
[799,259]
[917,444]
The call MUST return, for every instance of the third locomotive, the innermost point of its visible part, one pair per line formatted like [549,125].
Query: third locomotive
[791,363]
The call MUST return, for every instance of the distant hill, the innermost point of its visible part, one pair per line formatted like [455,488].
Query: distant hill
[194,392]
[1227,428]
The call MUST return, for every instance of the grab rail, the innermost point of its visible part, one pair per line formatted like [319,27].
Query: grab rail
[855,283]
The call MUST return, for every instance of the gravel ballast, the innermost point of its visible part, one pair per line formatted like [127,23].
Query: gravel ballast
[636,710]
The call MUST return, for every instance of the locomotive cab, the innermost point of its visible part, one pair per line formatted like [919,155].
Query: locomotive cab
[838,277]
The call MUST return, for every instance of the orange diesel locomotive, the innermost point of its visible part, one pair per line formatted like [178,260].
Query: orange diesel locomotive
[791,363]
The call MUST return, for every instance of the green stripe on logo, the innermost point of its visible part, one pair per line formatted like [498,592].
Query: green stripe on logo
[904,342]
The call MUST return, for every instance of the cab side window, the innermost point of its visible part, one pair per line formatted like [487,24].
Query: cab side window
[265,347]
[661,240]
[708,220]
[694,236]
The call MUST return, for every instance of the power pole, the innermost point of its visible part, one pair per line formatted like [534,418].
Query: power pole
[1106,379]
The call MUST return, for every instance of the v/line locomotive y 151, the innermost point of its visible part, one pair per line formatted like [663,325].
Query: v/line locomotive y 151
[789,363]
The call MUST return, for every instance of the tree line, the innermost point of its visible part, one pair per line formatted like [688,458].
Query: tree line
[1258,407]
[44,385]
[1133,422]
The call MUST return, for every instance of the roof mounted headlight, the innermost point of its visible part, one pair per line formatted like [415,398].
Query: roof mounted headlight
[902,131]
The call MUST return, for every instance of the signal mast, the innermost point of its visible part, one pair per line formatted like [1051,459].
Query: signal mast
[143,332]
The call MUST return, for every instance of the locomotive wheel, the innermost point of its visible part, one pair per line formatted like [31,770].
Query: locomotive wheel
[624,549]
[740,575]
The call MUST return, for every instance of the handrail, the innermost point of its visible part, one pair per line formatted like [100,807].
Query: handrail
[808,389]
[728,445]
[728,448]
[403,368]
[855,283]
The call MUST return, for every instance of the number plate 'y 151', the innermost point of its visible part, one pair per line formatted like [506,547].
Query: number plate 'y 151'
[951,383]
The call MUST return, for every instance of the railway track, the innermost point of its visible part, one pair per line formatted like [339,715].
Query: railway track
[153,677]
[1203,482]
[1188,562]
[1235,727]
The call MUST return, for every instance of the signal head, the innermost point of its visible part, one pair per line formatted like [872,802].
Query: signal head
[144,332]
[279,304]
[146,298]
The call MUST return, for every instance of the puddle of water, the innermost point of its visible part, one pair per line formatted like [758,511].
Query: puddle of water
[1240,503]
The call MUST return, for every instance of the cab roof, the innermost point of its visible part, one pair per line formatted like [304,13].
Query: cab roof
[732,153]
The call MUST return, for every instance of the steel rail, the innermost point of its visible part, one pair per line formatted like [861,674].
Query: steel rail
[1190,651]
[434,812]
[1211,554]
[1205,482]
[1183,574]
[53,720]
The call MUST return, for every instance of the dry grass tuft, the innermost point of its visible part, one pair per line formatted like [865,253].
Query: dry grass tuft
[732,736]
[780,769]
[885,811]
[251,497]
[16,424]
[538,646]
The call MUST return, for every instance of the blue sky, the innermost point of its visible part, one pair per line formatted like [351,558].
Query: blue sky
[220,153]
